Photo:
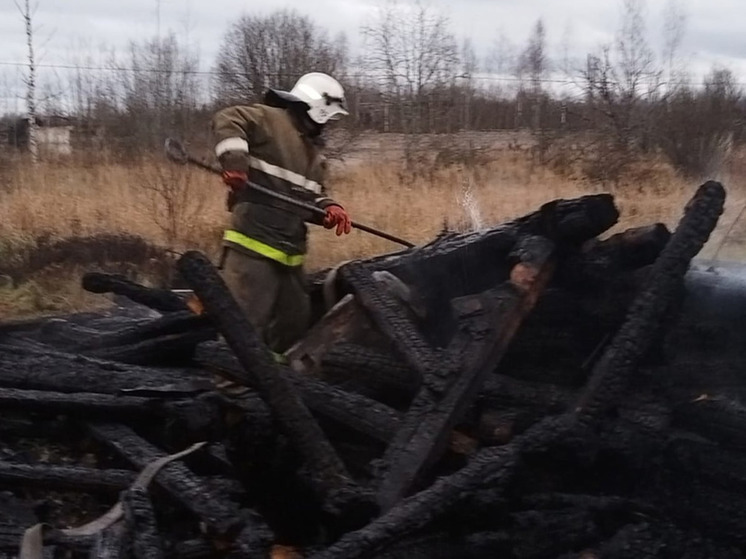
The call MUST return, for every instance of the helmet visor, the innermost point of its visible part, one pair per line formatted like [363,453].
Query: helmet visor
[339,107]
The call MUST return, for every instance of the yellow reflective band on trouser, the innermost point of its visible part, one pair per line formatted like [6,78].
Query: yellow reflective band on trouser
[263,249]
[280,358]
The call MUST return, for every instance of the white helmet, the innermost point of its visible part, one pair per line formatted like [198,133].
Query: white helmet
[323,94]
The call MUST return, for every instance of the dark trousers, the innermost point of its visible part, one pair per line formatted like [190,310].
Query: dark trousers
[272,296]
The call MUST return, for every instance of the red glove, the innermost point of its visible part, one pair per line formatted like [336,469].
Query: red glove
[336,215]
[236,180]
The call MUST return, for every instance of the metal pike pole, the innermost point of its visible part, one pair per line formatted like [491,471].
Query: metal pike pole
[176,152]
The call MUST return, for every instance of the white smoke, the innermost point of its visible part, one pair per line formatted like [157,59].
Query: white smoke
[468,201]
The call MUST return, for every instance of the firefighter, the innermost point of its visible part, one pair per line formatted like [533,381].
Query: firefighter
[276,144]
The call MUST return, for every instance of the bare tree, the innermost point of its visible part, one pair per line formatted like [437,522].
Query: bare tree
[172,197]
[533,63]
[27,15]
[274,51]
[89,89]
[502,55]
[674,29]
[158,89]
[412,55]
[500,62]
[622,84]
[469,63]
[534,57]
[697,129]
[468,69]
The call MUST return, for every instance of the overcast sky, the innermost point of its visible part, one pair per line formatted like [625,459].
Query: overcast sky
[71,30]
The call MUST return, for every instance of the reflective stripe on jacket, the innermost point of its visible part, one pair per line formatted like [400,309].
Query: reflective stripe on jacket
[265,142]
[237,238]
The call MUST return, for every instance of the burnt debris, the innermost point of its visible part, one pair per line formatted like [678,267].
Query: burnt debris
[536,390]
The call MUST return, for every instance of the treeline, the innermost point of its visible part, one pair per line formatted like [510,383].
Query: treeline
[414,76]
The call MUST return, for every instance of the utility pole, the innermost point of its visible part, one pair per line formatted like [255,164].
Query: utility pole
[158,76]
[158,18]
[30,81]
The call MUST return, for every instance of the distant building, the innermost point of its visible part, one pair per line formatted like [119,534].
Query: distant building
[53,134]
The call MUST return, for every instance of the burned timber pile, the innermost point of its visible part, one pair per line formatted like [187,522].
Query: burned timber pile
[530,391]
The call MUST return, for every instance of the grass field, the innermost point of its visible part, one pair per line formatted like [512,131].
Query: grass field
[182,208]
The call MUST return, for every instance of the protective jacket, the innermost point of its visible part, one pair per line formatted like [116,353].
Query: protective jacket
[266,142]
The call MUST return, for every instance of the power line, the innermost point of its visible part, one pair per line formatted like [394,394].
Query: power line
[112,68]
[481,78]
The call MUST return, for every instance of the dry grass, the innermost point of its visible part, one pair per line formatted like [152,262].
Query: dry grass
[52,292]
[504,188]
[65,198]
[69,198]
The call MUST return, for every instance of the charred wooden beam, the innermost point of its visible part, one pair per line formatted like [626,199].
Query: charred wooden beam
[184,419]
[401,325]
[166,340]
[80,403]
[12,427]
[16,515]
[600,260]
[716,510]
[447,544]
[633,248]
[139,517]
[547,533]
[72,336]
[706,492]
[371,372]
[597,270]
[342,323]
[398,323]
[159,299]
[688,458]
[571,221]
[631,443]
[492,465]
[502,391]
[487,325]
[352,410]
[611,373]
[65,478]
[460,264]
[586,302]
[59,544]
[673,450]
[214,458]
[110,543]
[328,474]
[163,350]
[21,325]
[718,418]
[222,517]
[655,537]
[31,326]
[498,426]
[56,371]
[592,503]
[192,549]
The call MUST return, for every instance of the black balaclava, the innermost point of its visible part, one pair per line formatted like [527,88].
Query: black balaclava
[298,110]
